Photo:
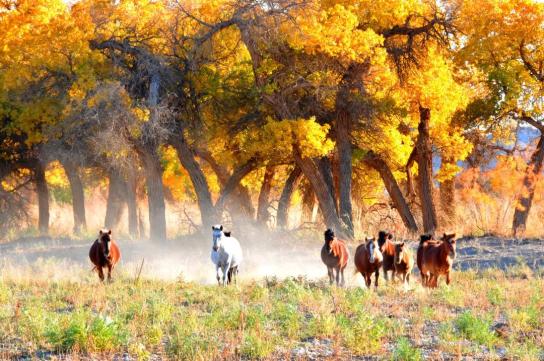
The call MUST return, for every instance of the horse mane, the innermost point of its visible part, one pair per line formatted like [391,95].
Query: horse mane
[337,249]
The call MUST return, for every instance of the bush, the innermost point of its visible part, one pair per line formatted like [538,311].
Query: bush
[404,351]
[476,329]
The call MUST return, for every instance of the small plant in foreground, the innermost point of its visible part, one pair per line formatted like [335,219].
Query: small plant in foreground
[404,351]
[476,329]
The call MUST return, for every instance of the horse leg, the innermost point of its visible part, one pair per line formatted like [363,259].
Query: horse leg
[217,274]
[225,274]
[110,267]
[448,278]
[386,275]
[343,280]
[331,274]
[368,281]
[377,277]
[100,273]
[337,276]
[407,278]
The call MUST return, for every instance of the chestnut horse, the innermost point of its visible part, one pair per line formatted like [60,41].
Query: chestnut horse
[335,255]
[404,262]
[437,259]
[104,253]
[424,241]
[368,259]
[387,248]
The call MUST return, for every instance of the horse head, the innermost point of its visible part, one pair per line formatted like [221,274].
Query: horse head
[104,240]
[329,236]
[217,234]
[425,237]
[383,237]
[449,240]
[373,247]
[399,252]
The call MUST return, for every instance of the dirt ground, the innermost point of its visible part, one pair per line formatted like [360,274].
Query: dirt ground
[272,256]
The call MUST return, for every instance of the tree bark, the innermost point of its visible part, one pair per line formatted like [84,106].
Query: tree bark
[285,199]
[241,192]
[525,198]
[447,198]
[78,196]
[233,182]
[374,161]
[322,190]
[263,201]
[325,168]
[425,172]
[198,179]
[116,200]
[308,203]
[343,147]
[132,203]
[43,198]
[155,193]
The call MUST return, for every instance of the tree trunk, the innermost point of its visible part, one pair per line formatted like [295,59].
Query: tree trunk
[263,202]
[343,147]
[78,196]
[374,161]
[322,190]
[425,170]
[285,199]
[198,179]
[233,182]
[155,193]
[43,198]
[132,203]
[325,168]
[447,198]
[525,197]
[116,200]
[241,193]
[308,203]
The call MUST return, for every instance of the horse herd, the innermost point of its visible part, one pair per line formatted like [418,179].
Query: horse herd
[434,257]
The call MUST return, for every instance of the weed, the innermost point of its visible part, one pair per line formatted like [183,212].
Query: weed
[404,351]
[476,329]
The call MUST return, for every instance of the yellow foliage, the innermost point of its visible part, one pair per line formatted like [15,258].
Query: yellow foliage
[55,175]
[276,139]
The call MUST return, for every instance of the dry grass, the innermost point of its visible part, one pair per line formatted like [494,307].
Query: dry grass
[270,319]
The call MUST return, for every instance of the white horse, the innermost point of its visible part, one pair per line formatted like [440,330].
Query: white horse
[226,254]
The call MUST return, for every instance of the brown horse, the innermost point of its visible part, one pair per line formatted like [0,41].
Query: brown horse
[424,241]
[335,255]
[368,259]
[437,259]
[104,253]
[387,248]
[404,262]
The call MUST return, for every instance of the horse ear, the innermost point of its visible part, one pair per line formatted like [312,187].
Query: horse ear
[221,228]
[109,231]
[402,244]
[100,232]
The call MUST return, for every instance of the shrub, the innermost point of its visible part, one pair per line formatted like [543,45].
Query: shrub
[476,329]
[404,351]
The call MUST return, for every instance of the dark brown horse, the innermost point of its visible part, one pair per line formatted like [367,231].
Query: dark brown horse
[424,241]
[335,255]
[104,253]
[437,259]
[368,260]
[387,248]
[404,262]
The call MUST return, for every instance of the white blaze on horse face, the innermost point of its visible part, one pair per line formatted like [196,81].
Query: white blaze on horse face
[371,251]
[217,234]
